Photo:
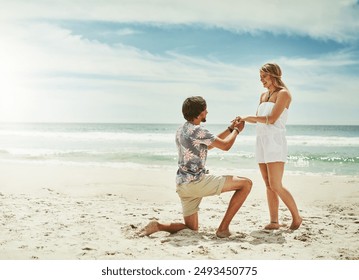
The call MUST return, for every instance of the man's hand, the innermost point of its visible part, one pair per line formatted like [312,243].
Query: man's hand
[239,124]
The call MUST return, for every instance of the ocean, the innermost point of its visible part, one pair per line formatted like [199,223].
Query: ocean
[314,149]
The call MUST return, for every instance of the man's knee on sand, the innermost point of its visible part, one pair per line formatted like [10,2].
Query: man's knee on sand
[191,221]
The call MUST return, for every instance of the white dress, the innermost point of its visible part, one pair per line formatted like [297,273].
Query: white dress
[271,143]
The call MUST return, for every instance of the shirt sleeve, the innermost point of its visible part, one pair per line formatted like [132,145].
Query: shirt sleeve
[203,136]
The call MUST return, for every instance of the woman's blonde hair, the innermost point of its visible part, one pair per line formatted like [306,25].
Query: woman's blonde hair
[275,72]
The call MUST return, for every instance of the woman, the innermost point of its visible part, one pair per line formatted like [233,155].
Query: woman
[271,144]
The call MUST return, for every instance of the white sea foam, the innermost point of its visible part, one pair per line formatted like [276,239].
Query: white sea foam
[310,149]
[328,141]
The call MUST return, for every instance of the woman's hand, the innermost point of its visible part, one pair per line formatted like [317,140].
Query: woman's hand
[240,125]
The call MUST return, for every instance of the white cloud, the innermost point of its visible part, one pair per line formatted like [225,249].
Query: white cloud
[319,19]
[48,67]
[107,82]
[126,31]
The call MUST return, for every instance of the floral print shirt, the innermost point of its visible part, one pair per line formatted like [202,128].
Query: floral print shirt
[192,144]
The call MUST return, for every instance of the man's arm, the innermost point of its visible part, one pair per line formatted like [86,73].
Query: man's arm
[228,131]
[225,140]
[225,133]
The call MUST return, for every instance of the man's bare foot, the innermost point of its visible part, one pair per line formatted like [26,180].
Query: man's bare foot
[152,227]
[223,234]
[272,226]
[296,224]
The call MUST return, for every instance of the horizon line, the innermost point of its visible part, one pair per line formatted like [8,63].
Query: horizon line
[159,123]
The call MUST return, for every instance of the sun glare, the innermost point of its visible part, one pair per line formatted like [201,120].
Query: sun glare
[9,104]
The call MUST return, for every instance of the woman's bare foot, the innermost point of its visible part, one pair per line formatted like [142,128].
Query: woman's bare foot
[152,227]
[296,224]
[223,234]
[272,226]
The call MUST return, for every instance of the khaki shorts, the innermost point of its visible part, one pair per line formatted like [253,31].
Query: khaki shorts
[191,194]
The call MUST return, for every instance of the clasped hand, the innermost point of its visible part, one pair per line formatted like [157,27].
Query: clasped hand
[238,123]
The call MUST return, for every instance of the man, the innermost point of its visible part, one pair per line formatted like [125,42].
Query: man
[193,182]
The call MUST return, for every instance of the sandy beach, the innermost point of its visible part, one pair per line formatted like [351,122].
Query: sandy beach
[63,212]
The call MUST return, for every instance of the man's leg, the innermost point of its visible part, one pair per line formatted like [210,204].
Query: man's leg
[241,187]
[191,222]
[155,226]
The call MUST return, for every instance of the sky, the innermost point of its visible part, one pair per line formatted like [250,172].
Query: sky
[130,61]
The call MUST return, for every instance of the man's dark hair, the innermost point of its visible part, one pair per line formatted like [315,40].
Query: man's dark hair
[192,107]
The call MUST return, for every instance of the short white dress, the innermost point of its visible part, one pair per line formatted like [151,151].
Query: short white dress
[271,143]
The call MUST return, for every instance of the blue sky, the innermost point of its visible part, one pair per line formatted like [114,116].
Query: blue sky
[136,61]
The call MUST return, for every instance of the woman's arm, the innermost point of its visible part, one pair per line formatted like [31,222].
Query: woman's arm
[283,100]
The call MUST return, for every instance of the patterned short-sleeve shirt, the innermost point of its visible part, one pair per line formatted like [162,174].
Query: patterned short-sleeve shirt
[192,143]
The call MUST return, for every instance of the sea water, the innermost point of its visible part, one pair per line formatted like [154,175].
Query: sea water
[312,148]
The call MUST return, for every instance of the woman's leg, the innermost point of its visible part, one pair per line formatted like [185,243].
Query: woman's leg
[275,175]
[272,199]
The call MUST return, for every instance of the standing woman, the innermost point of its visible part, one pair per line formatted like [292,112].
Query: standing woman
[271,144]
